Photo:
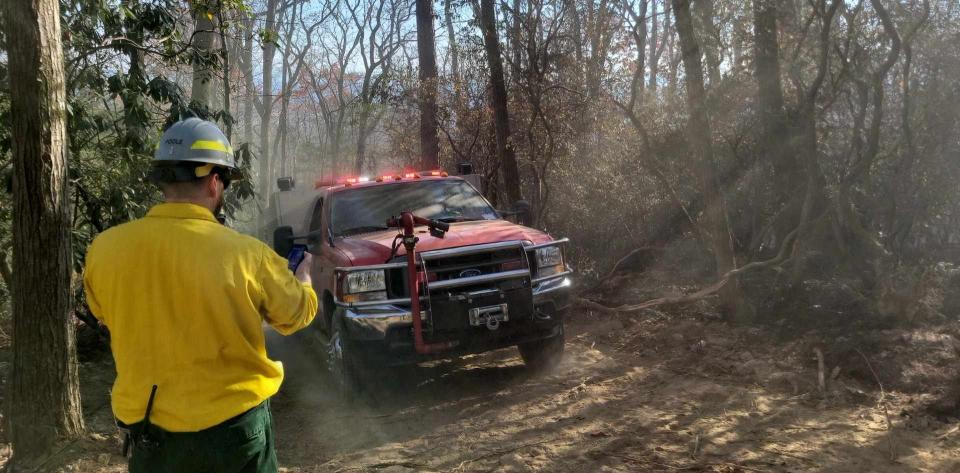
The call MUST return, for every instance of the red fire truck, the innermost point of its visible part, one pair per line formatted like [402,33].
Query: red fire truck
[419,266]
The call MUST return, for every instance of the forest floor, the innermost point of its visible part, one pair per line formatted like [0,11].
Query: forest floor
[650,391]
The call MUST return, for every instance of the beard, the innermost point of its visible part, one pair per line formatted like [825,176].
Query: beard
[218,210]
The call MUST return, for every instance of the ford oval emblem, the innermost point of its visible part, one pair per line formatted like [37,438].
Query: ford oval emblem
[469,273]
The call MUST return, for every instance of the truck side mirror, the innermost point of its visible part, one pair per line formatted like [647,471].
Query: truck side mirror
[523,213]
[464,169]
[283,240]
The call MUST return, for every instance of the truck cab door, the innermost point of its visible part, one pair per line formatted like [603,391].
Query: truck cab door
[323,262]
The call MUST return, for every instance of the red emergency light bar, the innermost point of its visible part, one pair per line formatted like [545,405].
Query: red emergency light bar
[388,177]
[354,180]
[349,181]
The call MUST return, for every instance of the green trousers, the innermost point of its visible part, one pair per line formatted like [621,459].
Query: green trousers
[243,444]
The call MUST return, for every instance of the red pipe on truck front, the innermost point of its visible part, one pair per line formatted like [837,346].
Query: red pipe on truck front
[407,222]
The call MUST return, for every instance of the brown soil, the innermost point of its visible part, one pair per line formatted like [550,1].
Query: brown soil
[648,392]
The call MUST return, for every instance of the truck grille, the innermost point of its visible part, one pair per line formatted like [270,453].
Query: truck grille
[474,265]
[452,269]
[465,266]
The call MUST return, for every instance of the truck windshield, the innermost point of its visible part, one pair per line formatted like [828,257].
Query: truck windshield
[366,209]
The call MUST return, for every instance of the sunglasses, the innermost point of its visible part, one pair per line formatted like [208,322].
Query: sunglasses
[224,178]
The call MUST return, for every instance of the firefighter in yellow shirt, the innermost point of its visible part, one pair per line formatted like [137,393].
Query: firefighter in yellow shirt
[184,298]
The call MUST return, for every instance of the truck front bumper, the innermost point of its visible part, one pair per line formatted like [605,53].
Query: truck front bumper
[389,327]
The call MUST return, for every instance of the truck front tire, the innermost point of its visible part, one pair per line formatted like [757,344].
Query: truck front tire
[543,355]
[343,362]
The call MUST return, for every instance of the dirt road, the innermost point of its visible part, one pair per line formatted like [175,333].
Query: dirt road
[627,398]
[648,393]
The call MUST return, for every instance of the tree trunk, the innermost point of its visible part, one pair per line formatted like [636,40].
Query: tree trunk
[363,117]
[514,43]
[655,48]
[362,138]
[666,39]
[44,396]
[903,211]
[599,39]
[672,62]
[203,40]
[285,86]
[699,134]
[225,56]
[454,53]
[247,64]
[711,43]
[576,24]
[501,117]
[266,111]
[772,117]
[639,33]
[426,49]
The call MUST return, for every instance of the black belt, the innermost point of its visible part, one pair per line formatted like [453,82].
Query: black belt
[148,437]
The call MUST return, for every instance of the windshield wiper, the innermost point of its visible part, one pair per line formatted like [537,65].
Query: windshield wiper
[456,219]
[363,229]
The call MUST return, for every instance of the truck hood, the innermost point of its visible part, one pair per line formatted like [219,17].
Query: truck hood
[374,247]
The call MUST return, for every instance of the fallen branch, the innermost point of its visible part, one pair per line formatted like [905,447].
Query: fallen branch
[788,455]
[499,453]
[383,465]
[782,256]
[615,269]
[821,378]
[686,298]
[594,306]
[886,412]
[697,466]
[949,433]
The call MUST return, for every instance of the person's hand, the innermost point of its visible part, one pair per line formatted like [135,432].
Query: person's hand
[303,270]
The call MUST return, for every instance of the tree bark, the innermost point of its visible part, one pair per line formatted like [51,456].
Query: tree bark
[427,55]
[203,40]
[285,86]
[225,55]
[44,397]
[246,63]
[515,45]
[711,44]
[903,203]
[266,110]
[771,115]
[672,61]
[655,47]
[699,133]
[454,53]
[501,116]
[576,25]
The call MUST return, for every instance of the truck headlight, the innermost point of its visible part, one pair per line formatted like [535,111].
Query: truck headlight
[365,281]
[549,256]
[362,286]
[549,261]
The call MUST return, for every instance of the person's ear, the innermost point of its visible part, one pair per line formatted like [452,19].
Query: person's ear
[211,186]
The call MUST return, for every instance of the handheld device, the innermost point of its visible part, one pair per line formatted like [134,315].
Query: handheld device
[295,256]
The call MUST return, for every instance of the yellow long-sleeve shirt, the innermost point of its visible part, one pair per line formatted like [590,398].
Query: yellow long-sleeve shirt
[185,299]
